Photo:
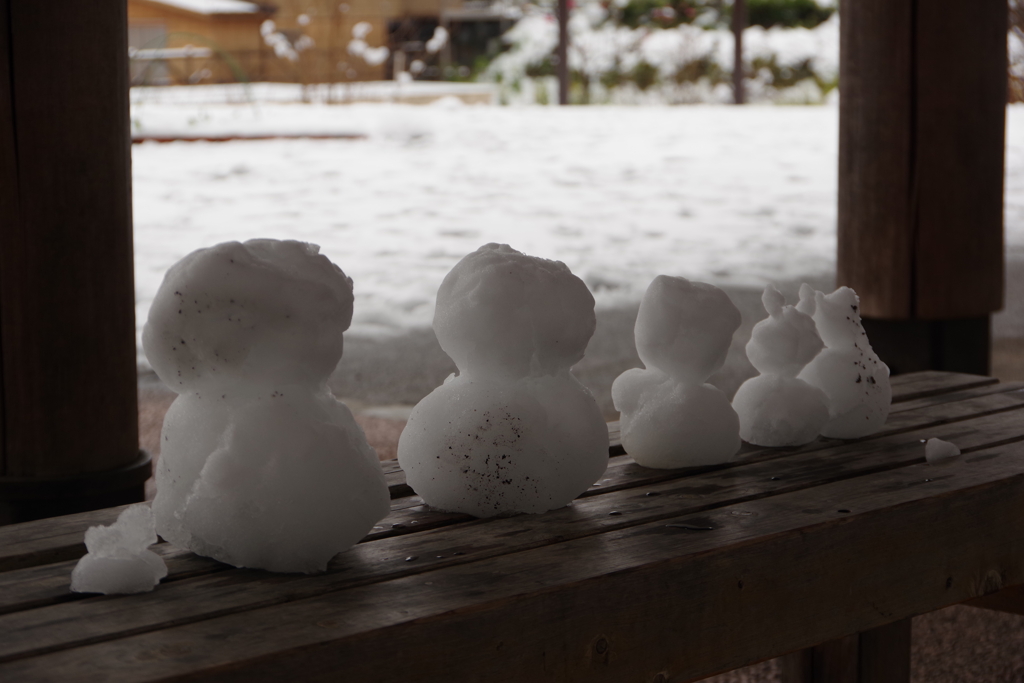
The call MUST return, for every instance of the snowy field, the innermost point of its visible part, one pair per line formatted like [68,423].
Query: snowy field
[737,196]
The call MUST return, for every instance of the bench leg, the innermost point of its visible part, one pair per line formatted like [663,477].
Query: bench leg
[881,655]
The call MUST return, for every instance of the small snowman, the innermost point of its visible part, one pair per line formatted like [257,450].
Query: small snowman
[260,466]
[670,416]
[855,380]
[514,431]
[776,408]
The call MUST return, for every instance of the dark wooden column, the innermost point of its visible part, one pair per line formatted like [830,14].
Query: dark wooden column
[921,126]
[68,421]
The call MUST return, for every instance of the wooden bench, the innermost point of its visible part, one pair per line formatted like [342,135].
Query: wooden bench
[651,576]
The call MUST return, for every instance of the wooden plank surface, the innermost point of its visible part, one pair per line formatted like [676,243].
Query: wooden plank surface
[91,619]
[659,597]
[60,539]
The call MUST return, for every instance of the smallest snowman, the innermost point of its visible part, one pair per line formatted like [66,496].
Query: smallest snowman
[776,408]
[670,416]
[850,373]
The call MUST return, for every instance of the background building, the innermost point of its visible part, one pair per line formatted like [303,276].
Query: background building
[308,41]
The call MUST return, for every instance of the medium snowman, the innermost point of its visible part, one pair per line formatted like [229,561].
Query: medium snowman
[513,431]
[670,416]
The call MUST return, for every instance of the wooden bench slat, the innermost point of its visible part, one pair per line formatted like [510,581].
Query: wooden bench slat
[931,382]
[776,574]
[954,396]
[61,539]
[33,587]
[99,618]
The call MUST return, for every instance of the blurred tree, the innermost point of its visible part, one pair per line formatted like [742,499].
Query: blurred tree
[789,13]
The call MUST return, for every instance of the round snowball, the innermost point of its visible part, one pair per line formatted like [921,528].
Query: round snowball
[779,411]
[264,311]
[487,447]
[785,341]
[674,425]
[684,328]
[858,390]
[501,313]
[289,483]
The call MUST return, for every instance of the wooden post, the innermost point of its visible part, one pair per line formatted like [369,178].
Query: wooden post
[739,24]
[921,137]
[881,655]
[68,413]
[562,67]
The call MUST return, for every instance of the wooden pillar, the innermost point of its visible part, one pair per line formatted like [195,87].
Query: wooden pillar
[68,420]
[562,67]
[739,24]
[881,655]
[921,137]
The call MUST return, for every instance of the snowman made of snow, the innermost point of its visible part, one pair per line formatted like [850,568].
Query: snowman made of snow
[513,431]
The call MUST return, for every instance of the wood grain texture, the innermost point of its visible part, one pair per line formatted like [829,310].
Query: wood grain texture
[61,626]
[922,119]
[67,329]
[54,540]
[875,242]
[627,604]
[932,382]
[960,137]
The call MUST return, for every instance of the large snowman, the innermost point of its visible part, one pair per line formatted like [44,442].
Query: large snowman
[513,431]
[260,466]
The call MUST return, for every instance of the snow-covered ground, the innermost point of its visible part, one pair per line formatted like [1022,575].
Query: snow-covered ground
[738,196]
[729,195]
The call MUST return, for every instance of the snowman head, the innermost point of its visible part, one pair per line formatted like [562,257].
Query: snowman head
[684,328]
[837,316]
[503,314]
[265,312]
[784,342]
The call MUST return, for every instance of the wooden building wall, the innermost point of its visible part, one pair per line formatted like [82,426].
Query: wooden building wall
[240,53]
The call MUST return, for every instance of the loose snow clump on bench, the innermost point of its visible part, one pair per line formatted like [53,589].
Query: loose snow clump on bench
[260,466]
[670,416]
[939,452]
[514,431]
[776,408]
[118,560]
[850,373]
